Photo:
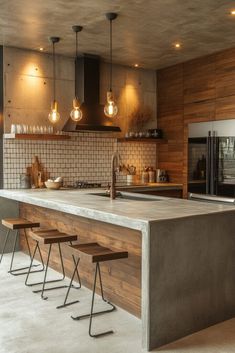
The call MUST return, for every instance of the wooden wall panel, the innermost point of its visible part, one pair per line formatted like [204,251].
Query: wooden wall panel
[202,89]
[121,278]
[199,80]
[225,108]
[199,111]
[170,120]
[225,73]
[170,90]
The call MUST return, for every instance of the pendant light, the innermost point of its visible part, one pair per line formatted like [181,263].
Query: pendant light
[54,116]
[111,108]
[76,113]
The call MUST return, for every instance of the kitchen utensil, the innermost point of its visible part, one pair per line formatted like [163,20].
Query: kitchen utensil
[37,173]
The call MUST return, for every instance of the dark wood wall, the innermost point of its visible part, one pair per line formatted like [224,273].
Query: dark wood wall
[202,89]
[1,116]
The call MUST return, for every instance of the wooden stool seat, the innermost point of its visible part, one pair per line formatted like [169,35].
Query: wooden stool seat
[51,236]
[14,225]
[99,253]
[19,223]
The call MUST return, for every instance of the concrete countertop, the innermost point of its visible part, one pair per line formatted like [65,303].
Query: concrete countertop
[134,214]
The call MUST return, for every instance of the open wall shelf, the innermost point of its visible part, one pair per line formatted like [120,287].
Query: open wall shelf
[142,140]
[42,137]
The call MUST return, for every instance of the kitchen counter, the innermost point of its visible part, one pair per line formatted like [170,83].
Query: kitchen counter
[186,251]
[123,212]
[151,186]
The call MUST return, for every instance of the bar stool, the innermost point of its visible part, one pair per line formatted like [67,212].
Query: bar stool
[15,224]
[50,237]
[96,254]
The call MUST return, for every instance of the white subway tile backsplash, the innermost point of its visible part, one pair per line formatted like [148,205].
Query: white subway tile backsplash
[86,156]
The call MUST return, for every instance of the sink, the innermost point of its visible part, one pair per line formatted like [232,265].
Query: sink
[126,197]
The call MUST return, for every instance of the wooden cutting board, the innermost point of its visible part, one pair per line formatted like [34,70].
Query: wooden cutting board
[36,173]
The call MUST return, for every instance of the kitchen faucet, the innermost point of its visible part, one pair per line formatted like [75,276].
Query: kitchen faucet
[114,167]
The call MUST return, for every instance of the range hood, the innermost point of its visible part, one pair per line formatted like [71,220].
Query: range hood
[87,71]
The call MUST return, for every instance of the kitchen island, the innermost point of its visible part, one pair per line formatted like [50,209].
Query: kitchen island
[179,277]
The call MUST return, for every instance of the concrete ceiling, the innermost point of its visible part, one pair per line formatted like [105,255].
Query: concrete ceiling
[144,32]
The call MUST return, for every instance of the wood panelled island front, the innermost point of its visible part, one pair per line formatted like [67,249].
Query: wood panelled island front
[121,278]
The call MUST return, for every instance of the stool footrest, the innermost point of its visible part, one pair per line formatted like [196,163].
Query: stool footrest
[67,304]
[85,316]
[23,268]
[39,283]
[46,289]
[97,335]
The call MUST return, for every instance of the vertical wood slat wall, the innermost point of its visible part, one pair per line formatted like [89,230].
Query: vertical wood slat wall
[1,116]
[199,90]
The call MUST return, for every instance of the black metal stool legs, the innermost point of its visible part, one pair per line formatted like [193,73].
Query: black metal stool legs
[30,254]
[76,270]
[12,271]
[71,285]
[45,275]
[5,243]
[97,270]
[31,265]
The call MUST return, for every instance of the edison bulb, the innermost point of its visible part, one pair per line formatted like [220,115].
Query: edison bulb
[110,109]
[76,114]
[54,116]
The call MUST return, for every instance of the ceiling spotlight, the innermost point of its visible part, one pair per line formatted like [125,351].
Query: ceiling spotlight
[232,12]
[136,65]
[177,45]
[41,48]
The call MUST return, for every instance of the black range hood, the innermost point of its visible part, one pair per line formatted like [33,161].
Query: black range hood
[87,71]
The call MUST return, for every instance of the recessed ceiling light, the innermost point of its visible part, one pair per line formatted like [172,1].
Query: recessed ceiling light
[177,45]
[136,65]
[41,48]
[232,12]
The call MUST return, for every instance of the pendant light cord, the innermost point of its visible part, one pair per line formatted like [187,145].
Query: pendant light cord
[111,55]
[54,85]
[76,63]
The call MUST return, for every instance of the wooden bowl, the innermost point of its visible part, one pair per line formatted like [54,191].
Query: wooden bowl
[53,185]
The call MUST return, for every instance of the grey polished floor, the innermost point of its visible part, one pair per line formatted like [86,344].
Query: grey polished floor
[31,325]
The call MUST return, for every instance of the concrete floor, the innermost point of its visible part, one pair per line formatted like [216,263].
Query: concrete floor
[31,325]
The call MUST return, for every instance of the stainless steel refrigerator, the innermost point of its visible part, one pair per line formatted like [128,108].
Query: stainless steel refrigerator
[211,161]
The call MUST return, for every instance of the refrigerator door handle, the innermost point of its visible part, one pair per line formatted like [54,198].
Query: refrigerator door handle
[212,163]
[215,163]
[208,163]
